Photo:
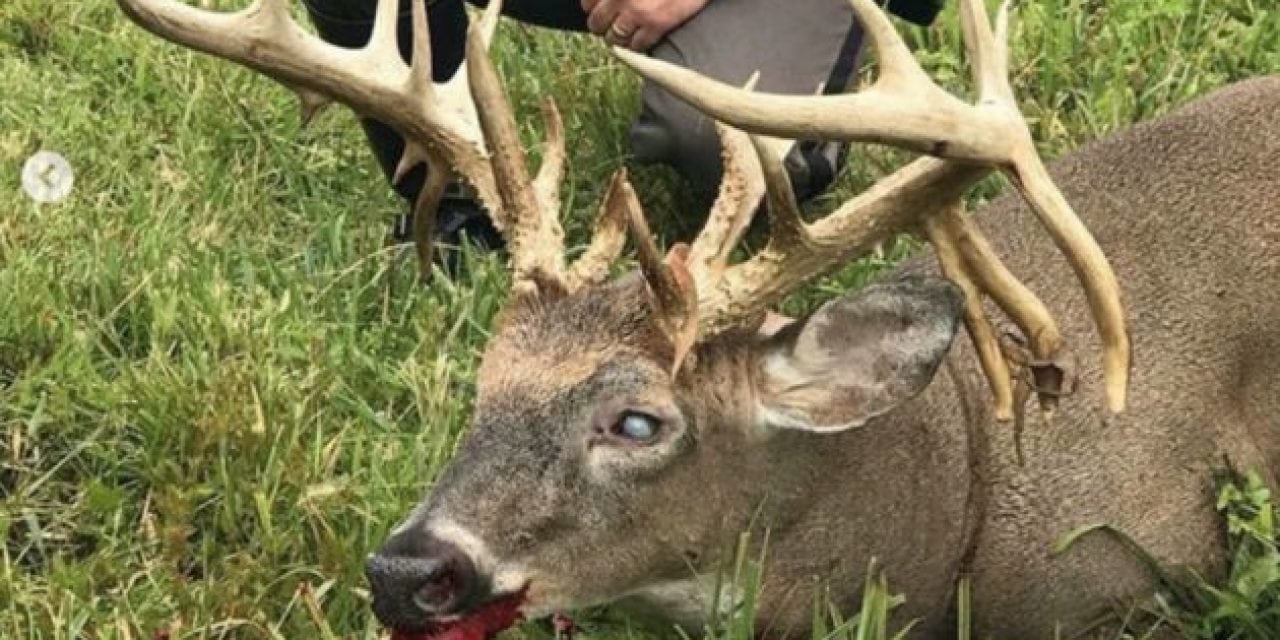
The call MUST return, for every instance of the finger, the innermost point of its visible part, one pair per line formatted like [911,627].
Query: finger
[644,39]
[589,5]
[611,36]
[621,31]
[619,35]
[603,15]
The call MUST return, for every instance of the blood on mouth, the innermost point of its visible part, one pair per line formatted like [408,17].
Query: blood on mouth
[481,624]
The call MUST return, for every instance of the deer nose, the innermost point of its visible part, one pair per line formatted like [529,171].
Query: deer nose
[417,578]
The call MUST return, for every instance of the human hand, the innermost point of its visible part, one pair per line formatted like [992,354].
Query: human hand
[638,24]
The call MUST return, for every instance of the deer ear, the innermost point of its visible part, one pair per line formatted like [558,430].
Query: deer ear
[857,356]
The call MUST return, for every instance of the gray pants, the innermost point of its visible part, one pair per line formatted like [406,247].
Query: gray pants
[798,46]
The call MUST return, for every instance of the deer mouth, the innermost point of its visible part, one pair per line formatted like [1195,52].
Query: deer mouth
[481,623]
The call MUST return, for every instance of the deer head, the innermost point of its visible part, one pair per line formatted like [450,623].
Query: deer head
[623,427]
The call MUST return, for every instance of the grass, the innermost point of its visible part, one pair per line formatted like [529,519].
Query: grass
[218,389]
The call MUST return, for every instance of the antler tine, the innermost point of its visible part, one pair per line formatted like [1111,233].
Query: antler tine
[985,342]
[990,61]
[752,168]
[534,235]
[608,236]
[382,38]
[420,66]
[982,270]
[414,153]
[904,108]
[488,24]
[647,253]
[551,173]
[740,191]
[988,52]
[674,293]
[786,225]
[1027,172]
[1013,297]
[897,64]
[1090,264]
[734,206]
[424,218]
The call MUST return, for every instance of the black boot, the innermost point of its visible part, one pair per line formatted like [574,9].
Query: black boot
[459,219]
[813,167]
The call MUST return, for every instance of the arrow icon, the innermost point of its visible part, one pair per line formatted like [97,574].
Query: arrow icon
[47,177]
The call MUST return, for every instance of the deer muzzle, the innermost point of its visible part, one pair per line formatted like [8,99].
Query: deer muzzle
[419,580]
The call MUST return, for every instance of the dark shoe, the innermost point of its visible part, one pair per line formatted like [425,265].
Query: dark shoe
[813,167]
[459,219]
[463,220]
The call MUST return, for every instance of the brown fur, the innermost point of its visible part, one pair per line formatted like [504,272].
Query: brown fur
[1188,210]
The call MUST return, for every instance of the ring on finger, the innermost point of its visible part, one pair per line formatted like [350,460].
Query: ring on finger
[620,34]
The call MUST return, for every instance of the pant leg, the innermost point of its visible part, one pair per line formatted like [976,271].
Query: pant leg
[797,46]
[564,15]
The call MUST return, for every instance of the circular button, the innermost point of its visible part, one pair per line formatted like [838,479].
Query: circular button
[47,177]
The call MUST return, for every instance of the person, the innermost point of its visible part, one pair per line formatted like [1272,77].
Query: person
[797,46]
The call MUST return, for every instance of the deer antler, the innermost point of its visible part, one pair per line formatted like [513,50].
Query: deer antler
[464,128]
[903,108]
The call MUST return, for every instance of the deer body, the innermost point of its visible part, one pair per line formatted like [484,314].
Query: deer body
[931,489]
[1187,207]
[1188,210]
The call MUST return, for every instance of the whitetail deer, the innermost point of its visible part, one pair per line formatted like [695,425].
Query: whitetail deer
[625,429]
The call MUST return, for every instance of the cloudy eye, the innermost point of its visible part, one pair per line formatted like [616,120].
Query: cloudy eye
[637,427]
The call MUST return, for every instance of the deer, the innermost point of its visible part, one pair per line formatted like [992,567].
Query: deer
[625,428]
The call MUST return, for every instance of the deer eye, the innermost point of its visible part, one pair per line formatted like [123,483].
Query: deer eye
[637,427]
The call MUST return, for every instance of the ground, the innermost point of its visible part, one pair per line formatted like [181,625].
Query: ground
[218,389]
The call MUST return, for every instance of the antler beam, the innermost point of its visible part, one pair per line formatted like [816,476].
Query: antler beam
[905,109]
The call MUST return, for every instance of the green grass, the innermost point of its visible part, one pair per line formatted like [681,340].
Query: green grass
[217,385]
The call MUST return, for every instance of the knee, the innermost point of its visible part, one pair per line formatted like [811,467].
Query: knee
[349,23]
[346,23]
[669,131]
